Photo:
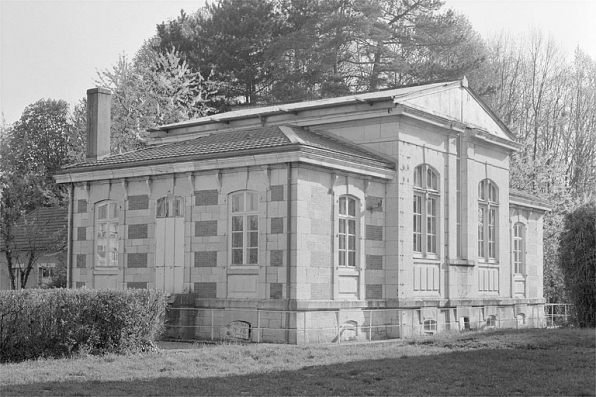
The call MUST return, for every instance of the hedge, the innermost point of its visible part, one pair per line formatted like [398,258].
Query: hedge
[60,322]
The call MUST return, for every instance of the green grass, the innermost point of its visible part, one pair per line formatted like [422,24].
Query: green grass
[504,362]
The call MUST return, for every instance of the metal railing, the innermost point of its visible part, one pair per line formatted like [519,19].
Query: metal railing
[337,326]
[558,314]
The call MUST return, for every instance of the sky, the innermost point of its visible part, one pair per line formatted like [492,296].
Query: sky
[53,49]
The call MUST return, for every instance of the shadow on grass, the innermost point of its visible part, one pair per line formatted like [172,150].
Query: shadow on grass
[474,372]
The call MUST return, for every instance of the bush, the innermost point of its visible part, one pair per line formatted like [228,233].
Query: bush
[578,262]
[60,322]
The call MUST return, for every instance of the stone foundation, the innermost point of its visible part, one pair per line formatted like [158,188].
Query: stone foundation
[335,322]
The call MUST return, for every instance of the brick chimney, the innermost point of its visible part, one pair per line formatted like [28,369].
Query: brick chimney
[98,123]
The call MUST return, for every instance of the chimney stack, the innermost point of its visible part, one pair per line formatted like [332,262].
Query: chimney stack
[98,123]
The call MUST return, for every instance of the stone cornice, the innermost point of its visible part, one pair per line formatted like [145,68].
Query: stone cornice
[308,157]
[488,138]
[430,118]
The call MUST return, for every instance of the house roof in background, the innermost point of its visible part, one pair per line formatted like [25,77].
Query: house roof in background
[223,145]
[43,228]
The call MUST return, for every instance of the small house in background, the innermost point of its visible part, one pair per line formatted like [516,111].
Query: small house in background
[43,234]
[374,215]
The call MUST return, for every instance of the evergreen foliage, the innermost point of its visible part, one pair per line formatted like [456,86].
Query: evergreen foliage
[578,260]
[270,51]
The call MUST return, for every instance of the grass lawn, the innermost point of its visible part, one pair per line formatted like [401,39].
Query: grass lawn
[535,362]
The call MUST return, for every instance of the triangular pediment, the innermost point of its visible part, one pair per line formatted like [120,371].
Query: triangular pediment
[457,102]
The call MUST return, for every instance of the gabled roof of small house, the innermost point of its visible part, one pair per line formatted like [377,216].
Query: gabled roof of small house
[241,143]
[42,229]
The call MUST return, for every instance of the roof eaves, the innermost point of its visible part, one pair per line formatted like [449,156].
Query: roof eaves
[491,138]
[169,160]
[427,116]
[295,108]
[385,158]
[349,157]
[529,200]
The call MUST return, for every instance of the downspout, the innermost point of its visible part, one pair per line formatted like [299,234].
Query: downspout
[288,251]
[69,236]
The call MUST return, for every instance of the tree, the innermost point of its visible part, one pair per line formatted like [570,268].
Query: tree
[33,236]
[347,46]
[578,253]
[550,104]
[31,150]
[283,50]
[227,40]
[155,89]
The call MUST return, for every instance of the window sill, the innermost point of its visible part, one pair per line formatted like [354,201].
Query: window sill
[239,269]
[428,259]
[488,263]
[348,271]
[106,270]
[462,262]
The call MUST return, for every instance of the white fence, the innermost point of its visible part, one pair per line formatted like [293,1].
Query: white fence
[337,326]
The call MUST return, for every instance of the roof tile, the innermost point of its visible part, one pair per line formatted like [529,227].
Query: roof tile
[226,144]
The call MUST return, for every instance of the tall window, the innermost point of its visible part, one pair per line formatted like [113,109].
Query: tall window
[107,234]
[347,231]
[170,207]
[488,205]
[518,248]
[245,228]
[426,202]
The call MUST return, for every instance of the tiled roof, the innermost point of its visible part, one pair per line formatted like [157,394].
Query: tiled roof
[229,144]
[42,229]
[530,198]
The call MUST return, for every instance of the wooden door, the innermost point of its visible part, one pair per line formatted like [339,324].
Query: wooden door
[169,245]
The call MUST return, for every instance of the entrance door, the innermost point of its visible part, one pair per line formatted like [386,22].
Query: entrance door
[169,244]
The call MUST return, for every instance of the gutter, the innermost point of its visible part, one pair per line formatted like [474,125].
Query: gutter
[289,251]
[70,235]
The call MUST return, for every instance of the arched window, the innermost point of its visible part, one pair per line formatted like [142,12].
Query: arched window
[106,226]
[244,235]
[425,210]
[488,205]
[170,207]
[521,319]
[348,231]
[430,326]
[519,248]
[491,321]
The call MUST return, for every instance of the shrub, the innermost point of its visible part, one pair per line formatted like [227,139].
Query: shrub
[60,322]
[578,262]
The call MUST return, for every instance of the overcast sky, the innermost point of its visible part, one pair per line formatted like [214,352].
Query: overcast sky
[52,49]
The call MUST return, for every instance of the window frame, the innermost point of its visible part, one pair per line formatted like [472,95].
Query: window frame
[425,212]
[346,255]
[112,221]
[430,326]
[169,206]
[518,246]
[247,247]
[488,225]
